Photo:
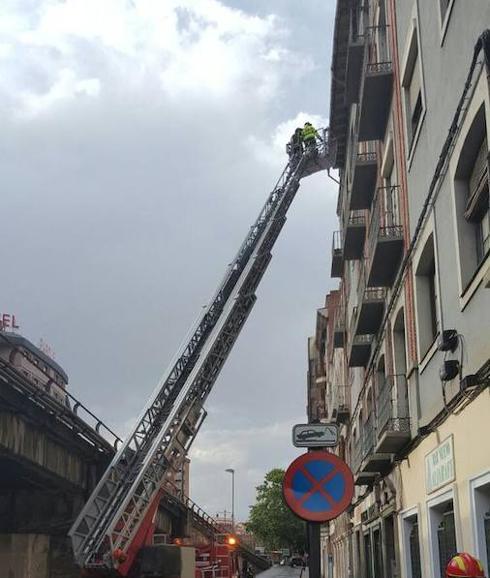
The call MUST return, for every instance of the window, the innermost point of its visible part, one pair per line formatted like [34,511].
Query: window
[427,298]
[389,543]
[480,506]
[471,187]
[412,86]
[367,556]
[446,538]
[442,530]
[477,210]
[399,344]
[414,549]
[410,541]
[377,554]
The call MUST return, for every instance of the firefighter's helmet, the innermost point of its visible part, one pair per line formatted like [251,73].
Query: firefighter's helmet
[464,565]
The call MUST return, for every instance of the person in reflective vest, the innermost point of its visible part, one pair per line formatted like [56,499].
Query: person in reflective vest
[310,135]
[464,565]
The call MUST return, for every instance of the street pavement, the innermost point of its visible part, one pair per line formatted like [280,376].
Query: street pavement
[283,572]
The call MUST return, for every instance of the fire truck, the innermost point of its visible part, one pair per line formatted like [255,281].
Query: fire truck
[113,534]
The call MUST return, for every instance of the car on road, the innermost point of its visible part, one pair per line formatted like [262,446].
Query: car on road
[296,561]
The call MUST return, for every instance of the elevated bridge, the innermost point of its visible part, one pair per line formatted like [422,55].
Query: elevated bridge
[51,458]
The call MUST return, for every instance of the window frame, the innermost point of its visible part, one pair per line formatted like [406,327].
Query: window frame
[476,483]
[434,503]
[404,537]
[425,355]
[409,62]
[478,98]
[444,18]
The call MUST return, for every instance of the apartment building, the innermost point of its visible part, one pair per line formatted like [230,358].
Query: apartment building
[407,341]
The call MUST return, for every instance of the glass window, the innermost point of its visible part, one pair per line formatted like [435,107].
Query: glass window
[412,84]
[367,556]
[378,556]
[415,551]
[446,538]
[427,297]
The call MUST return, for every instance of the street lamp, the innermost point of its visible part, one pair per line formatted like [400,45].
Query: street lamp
[232,472]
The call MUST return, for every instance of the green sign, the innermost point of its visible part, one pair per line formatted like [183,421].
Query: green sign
[439,466]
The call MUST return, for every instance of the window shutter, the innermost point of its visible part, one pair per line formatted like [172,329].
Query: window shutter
[478,185]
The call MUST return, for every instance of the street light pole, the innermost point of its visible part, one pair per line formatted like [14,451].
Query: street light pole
[232,472]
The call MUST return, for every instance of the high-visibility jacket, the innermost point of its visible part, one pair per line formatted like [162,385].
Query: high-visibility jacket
[309,132]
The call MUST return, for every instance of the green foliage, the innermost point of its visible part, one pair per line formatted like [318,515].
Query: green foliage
[271,521]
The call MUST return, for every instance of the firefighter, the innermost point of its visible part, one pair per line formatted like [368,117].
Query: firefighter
[297,142]
[294,147]
[464,566]
[309,135]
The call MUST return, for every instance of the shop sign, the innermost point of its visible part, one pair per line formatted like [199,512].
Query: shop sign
[439,466]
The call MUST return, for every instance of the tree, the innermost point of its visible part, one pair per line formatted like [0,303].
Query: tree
[271,521]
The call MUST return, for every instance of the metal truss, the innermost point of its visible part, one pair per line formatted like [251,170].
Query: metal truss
[157,446]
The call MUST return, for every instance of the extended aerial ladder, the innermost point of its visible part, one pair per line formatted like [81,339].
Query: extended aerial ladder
[116,519]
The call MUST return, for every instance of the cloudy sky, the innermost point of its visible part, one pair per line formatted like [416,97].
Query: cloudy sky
[139,140]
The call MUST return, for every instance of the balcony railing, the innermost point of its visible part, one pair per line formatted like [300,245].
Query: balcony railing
[368,436]
[357,455]
[377,86]
[364,163]
[355,234]
[385,238]
[341,403]
[393,415]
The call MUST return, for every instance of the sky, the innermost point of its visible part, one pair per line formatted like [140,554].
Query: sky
[139,141]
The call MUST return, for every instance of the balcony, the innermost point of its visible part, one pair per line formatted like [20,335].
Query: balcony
[360,350]
[339,327]
[393,416]
[373,462]
[337,255]
[371,309]
[355,234]
[361,478]
[375,100]
[341,403]
[364,174]
[385,239]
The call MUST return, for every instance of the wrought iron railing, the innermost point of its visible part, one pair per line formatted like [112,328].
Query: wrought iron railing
[356,455]
[369,435]
[385,217]
[393,414]
[378,67]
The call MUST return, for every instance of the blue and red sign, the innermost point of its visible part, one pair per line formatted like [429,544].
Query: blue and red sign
[318,486]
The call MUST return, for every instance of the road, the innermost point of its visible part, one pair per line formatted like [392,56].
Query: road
[283,572]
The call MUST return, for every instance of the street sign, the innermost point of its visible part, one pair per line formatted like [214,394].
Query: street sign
[315,435]
[318,486]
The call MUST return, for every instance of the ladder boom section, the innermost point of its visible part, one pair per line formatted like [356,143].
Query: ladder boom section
[159,442]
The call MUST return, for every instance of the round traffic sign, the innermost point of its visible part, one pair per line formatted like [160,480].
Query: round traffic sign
[318,486]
